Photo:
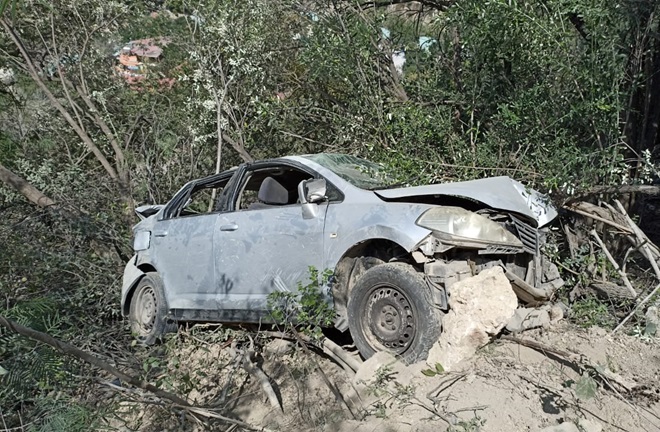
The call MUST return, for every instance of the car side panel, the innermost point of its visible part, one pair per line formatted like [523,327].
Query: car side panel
[182,251]
[349,223]
[264,251]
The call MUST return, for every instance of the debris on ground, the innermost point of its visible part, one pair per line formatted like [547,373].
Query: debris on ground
[620,240]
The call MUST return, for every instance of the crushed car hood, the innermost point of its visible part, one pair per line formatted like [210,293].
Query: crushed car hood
[502,193]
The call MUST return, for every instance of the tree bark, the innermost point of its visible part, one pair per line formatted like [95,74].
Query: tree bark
[21,185]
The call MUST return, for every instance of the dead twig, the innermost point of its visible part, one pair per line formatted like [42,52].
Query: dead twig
[444,385]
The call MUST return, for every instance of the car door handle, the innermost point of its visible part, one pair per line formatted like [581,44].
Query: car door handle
[160,234]
[229,227]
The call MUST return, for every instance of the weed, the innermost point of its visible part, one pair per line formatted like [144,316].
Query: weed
[590,312]
[472,425]
[308,308]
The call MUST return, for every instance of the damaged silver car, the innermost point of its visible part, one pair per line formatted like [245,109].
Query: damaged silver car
[225,242]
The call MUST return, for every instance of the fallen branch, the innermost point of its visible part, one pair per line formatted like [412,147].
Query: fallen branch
[600,219]
[636,308]
[336,352]
[581,363]
[650,250]
[616,190]
[331,349]
[258,374]
[71,350]
[651,253]
[326,380]
[609,256]
[68,349]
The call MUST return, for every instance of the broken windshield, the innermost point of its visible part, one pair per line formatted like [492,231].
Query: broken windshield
[358,172]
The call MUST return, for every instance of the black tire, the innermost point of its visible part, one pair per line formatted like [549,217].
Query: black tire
[390,309]
[148,311]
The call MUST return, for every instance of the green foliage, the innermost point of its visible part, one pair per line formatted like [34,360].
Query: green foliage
[591,312]
[502,88]
[585,387]
[65,415]
[30,367]
[437,370]
[472,425]
[307,308]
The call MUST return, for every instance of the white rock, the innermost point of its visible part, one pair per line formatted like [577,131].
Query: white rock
[582,425]
[529,318]
[480,307]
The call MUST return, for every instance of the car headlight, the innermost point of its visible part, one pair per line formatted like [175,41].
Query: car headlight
[141,240]
[462,224]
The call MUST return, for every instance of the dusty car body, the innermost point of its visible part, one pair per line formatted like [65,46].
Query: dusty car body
[224,243]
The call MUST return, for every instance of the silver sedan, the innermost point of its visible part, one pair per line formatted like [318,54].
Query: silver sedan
[223,243]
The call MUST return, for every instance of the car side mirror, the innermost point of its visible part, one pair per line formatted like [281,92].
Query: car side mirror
[315,190]
[311,192]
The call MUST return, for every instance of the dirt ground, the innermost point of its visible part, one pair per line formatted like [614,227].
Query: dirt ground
[504,387]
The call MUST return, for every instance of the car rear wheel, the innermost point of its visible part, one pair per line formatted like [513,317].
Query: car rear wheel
[148,311]
[390,309]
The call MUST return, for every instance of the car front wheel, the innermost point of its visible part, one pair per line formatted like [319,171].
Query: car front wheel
[148,311]
[390,309]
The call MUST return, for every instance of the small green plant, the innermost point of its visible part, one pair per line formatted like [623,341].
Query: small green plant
[437,370]
[591,312]
[307,308]
[472,425]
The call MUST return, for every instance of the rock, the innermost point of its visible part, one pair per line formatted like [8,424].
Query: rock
[480,307]
[367,389]
[582,425]
[558,311]
[278,347]
[528,318]
[652,321]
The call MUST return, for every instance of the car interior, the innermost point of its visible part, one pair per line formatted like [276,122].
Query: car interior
[271,187]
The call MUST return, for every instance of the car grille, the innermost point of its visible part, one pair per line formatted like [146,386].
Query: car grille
[528,235]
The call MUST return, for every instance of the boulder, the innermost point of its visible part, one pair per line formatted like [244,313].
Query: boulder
[480,307]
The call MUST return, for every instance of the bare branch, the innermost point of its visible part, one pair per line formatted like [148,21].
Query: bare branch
[33,194]
[82,134]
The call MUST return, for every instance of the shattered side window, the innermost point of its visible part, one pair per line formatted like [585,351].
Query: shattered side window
[358,172]
[203,198]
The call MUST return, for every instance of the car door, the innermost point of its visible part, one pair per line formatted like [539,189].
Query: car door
[265,247]
[183,248]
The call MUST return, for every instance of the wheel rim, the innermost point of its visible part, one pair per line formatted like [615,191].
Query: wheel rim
[389,321]
[146,309]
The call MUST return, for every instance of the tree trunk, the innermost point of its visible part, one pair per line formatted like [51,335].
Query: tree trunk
[30,192]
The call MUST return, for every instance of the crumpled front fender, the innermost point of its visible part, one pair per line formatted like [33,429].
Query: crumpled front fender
[132,276]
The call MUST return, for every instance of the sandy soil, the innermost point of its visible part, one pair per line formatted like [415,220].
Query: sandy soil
[505,387]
